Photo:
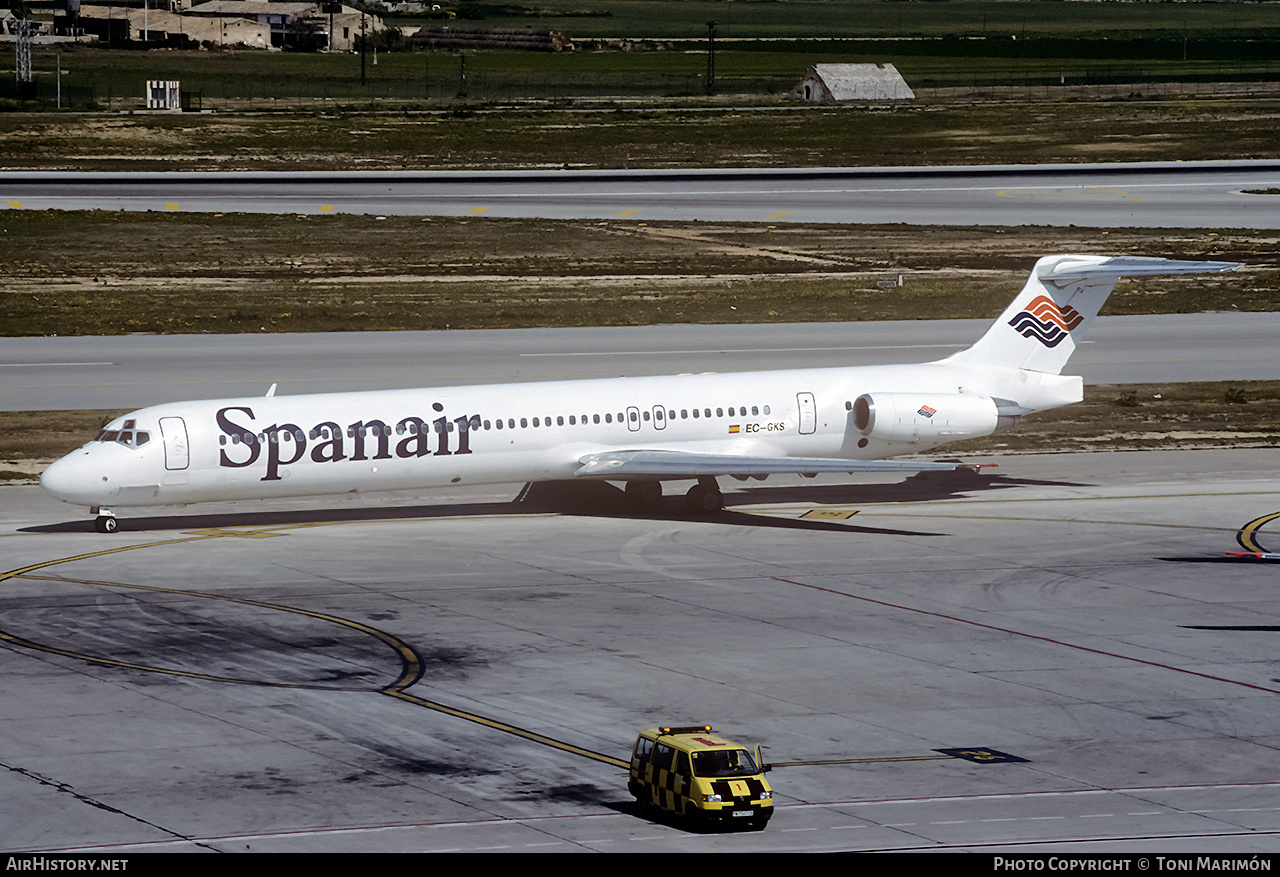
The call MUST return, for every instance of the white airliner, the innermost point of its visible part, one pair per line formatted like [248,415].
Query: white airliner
[640,430]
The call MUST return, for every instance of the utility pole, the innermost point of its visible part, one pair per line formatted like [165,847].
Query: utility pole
[711,57]
[23,43]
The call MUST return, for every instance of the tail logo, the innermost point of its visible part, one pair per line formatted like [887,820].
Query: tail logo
[1043,320]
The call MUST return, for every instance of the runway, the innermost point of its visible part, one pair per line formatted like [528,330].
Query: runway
[1058,656]
[132,371]
[1121,195]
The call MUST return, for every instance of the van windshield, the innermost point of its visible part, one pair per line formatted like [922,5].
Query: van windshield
[724,763]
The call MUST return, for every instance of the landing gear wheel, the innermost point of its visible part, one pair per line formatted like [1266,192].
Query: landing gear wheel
[106,524]
[704,499]
[644,492]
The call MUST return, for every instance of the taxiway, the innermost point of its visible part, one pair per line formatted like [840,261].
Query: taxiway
[132,371]
[1213,194]
[457,670]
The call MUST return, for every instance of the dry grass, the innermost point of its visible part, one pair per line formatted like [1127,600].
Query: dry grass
[93,273]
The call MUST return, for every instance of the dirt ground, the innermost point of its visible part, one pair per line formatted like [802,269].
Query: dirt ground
[110,273]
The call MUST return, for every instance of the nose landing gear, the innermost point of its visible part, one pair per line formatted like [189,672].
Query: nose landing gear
[106,521]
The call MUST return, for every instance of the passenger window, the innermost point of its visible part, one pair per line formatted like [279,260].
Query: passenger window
[662,756]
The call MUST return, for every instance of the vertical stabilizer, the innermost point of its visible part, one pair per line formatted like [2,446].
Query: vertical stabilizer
[1042,327]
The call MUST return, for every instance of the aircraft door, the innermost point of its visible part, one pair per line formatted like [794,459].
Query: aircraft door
[633,419]
[659,417]
[808,411]
[177,454]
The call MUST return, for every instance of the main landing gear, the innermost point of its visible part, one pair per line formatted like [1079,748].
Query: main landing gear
[704,498]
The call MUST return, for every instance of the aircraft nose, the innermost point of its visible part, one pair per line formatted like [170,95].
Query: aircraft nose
[64,479]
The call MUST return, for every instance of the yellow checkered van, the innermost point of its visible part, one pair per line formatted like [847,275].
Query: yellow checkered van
[700,777]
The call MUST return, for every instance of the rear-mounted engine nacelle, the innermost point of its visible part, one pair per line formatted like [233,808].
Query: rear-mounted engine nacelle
[927,417]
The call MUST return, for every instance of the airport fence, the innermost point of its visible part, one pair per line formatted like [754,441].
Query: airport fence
[445,80]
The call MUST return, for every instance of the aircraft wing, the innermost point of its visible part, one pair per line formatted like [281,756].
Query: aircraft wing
[680,464]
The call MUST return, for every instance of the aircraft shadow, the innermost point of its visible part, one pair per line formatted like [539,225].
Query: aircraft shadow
[601,499]
[1224,559]
[920,487]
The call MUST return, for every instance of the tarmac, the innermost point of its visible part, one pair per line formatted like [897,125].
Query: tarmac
[1055,654]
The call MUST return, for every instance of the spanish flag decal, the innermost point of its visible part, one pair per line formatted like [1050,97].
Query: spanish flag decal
[734,428]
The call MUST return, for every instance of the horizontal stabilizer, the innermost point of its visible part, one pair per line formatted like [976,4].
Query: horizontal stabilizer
[679,464]
[1046,322]
[1068,268]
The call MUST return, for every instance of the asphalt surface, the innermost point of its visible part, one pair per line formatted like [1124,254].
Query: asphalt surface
[1147,195]
[1056,655]
[133,371]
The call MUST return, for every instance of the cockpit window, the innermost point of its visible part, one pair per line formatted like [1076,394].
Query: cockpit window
[127,436]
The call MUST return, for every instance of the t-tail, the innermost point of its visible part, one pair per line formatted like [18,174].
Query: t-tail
[1049,318]
[1019,360]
